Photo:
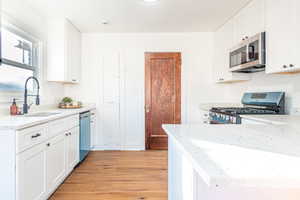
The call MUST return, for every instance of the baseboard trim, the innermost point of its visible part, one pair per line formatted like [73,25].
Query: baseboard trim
[118,148]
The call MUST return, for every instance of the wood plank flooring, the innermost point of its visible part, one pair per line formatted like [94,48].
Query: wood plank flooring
[116,175]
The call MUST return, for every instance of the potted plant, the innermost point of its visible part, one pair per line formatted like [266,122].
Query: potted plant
[66,101]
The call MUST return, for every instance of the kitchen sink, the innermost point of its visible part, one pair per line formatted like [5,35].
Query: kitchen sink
[41,114]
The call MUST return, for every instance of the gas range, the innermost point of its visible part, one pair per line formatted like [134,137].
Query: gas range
[268,103]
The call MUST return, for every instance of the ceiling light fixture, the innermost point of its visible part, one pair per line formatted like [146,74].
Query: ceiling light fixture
[150,1]
[104,22]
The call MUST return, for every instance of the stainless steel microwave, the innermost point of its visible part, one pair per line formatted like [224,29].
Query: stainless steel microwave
[250,55]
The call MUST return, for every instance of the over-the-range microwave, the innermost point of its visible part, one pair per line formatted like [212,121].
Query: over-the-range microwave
[250,55]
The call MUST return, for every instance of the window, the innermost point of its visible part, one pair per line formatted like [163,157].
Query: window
[19,58]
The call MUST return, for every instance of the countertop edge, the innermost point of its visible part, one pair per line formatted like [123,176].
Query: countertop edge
[64,113]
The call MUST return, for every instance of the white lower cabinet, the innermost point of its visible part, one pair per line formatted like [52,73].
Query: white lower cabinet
[40,169]
[31,174]
[94,137]
[56,161]
[72,147]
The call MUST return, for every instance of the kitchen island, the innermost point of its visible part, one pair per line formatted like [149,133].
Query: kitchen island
[233,162]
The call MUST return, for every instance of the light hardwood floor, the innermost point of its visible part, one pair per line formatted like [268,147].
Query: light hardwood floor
[116,175]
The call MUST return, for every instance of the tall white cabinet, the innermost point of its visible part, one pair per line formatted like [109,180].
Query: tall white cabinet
[63,52]
[120,124]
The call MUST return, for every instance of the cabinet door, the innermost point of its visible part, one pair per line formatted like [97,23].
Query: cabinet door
[72,146]
[73,40]
[31,174]
[250,20]
[223,43]
[279,34]
[111,101]
[93,133]
[296,41]
[56,161]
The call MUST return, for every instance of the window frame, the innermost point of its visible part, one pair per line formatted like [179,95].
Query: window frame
[36,47]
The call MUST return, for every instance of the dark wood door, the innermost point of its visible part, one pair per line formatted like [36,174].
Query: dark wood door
[163,96]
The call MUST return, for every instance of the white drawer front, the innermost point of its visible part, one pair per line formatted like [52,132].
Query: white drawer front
[29,137]
[62,125]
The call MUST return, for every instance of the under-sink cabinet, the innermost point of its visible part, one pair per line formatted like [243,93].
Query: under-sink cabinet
[43,156]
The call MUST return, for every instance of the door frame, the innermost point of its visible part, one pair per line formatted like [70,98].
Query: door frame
[177,56]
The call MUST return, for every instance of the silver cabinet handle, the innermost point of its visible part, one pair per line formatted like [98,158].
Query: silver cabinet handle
[36,135]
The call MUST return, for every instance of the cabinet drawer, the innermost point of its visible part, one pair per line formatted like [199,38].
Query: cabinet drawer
[29,137]
[62,125]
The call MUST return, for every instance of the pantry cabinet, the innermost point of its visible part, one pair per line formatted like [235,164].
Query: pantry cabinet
[64,52]
[282,32]
[224,40]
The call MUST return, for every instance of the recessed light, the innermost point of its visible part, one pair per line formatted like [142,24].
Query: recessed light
[104,22]
[150,1]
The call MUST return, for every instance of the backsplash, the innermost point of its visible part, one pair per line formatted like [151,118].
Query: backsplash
[262,82]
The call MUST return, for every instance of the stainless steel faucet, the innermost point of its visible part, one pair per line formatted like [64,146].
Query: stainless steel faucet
[37,100]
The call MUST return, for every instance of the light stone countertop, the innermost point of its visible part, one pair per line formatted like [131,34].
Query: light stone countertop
[21,122]
[241,155]
[292,120]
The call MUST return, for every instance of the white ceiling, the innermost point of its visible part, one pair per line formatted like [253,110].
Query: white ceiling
[137,16]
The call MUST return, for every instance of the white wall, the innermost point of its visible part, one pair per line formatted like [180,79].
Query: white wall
[26,18]
[196,51]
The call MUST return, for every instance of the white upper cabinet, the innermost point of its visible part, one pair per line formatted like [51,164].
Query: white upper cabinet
[64,52]
[224,40]
[282,29]
[249,21]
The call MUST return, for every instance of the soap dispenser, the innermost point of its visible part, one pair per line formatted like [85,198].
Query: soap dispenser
[14,108]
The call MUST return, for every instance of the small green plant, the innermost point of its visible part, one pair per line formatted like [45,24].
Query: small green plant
[67,100]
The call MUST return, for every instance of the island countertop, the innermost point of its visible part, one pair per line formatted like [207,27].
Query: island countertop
[241,155]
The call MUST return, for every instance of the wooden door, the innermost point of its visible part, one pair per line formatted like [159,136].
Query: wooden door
[163,96]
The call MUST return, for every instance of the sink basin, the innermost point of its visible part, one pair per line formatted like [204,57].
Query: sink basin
[41,114]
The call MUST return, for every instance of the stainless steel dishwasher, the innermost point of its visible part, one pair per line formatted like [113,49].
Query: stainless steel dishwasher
[85,134]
